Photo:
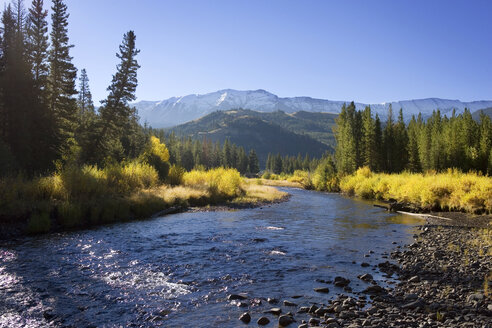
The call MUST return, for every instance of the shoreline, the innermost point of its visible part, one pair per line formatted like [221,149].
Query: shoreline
[18,229]
[444,280]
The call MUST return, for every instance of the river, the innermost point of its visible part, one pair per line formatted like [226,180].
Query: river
[177,270]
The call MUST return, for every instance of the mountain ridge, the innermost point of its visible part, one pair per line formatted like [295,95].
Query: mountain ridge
[178,110]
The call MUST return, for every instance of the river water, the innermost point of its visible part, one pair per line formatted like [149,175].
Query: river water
[176,271]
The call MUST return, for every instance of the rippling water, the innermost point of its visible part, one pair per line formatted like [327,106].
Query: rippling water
[177,270]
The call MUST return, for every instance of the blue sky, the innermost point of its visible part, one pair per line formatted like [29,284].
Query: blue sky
[367,51]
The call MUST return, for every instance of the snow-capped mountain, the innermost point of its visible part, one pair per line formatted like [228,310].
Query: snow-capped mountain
[178,110]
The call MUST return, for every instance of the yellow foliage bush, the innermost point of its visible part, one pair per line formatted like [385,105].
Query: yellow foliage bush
[220,181]
[451,190]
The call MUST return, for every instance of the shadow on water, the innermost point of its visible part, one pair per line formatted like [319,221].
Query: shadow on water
[177,270]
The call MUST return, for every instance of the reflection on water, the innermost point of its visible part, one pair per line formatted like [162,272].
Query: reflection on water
[177,270]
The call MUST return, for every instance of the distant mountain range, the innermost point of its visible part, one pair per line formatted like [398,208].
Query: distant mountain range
[178,110]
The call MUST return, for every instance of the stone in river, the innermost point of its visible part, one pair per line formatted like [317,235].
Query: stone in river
[263,321]
[285,320]
[288,303]
[275,311]
[236,297]
[322,290]
[366,277]
[245,317]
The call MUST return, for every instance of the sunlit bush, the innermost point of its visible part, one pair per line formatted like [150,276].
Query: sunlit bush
[220,182]
[175,176]
[452,190]
[157,155]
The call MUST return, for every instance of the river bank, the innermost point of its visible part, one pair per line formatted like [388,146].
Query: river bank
[143,204]
[445,280]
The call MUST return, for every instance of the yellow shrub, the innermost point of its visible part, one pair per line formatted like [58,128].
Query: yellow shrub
[452,190]
[220,181]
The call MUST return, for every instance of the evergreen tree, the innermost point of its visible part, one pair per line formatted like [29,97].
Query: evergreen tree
[37,45]
[389,142]
[85,97]
[61,80]
[378,135]
[401,144]
[253,164]
[485,142]
[115,112]
[370,150]
[413,148]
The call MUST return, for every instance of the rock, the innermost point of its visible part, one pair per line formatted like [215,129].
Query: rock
[366,277]
[275,311]
[303,309]
[313,322]
[304,325]
[237,297]
[296,296]
[322,290]
[285,320]
[475,298]
[288,303]
[321,311]
[245,317]
[414,305]
[263,321]
[272,300]
[313,309]
[374,289]
[364,264]
[414,279]
[341,282]
[332,325]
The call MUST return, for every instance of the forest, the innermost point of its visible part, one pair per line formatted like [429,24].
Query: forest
[438,143]
[65,164]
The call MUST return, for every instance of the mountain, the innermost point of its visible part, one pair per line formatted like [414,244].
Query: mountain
[486,111]
[178,110]
[275,132]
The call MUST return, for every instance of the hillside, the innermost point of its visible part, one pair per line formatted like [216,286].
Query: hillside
[487,111]
[287,134]
[178,110]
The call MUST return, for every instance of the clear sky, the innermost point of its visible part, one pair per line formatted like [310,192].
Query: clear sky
[367,51]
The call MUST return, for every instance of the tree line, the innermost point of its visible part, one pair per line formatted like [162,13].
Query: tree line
[437,143]
[195,153]
[277,163]
[44,120]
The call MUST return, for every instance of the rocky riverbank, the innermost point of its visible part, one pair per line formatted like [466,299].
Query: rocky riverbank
[445,280]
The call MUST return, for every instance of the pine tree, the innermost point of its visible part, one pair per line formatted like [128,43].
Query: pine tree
[345,133]
[115,112]
[401,144]
[61,80]
[85,97]
[369,140]
[413,148]
[389,142]
[253,164]
[37,44]
[378,135]
[485,143]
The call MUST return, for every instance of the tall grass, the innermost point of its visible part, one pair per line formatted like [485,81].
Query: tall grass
[451,190]
[220,182]
[74,196]
[84,196]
